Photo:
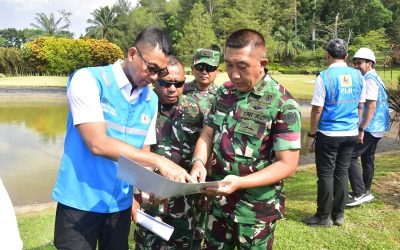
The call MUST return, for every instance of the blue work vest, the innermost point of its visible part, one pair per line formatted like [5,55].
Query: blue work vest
[89,182]
[380,120]
[343,87]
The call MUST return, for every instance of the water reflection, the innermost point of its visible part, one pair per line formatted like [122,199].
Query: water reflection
[32,136]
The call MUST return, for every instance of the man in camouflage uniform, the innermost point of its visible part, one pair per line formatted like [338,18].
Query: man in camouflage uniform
[205,70]
[202,91]
[253,132]
[177,122]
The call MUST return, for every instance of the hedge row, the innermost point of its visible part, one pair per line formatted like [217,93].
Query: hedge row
[57,56]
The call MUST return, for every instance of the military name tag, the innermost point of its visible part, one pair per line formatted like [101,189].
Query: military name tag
[255,116]
[225,108]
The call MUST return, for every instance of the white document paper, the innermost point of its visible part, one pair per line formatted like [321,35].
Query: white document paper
[150,182]
[158,227]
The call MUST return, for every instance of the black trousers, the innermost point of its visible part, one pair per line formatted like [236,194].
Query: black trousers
[361,182]
[332,158]
[76,229]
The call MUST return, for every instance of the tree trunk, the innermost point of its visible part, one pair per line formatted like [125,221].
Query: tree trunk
[335,33]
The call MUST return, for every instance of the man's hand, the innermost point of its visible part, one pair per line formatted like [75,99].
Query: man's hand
[199,172]
[151,200]
[360,137]
[311,144]
[172,171]
[135,208]
[230,185]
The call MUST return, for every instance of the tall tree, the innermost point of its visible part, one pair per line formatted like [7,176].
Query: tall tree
[49,24]
[102,23]
[197,32]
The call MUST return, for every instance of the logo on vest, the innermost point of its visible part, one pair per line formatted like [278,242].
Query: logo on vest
[145,119]
[107,107]
[346,84]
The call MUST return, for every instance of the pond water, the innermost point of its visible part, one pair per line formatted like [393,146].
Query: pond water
[32,137]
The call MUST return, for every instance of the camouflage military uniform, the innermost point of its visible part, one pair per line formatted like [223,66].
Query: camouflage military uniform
[248,128]
[204,100]
[178,127]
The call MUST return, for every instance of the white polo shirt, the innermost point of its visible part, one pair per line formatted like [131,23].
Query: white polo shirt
[84,100]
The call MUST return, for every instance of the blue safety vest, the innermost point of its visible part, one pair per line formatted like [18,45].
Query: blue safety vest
[380,120]
[343,87]
[89,182]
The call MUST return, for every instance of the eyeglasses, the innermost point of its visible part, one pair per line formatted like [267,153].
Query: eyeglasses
[202,66]
[167,84]
[151,69]
[357,63]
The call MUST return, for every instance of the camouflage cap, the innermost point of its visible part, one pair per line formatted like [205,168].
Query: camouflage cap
[207,56]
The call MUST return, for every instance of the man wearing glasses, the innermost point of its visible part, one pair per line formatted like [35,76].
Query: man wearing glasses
[177,115]
[202,90]
[205,70]
[112,112]
[374,123]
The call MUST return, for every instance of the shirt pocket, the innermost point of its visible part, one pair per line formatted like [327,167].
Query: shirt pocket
[248,138]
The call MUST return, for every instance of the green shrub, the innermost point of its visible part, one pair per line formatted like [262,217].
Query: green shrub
[62,56]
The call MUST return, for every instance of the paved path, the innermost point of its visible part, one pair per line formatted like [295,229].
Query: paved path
[387,144]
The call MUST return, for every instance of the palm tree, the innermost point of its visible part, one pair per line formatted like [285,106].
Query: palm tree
[288,46]
[49,25]
[102,23]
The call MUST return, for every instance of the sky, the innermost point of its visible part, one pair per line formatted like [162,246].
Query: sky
[20,14]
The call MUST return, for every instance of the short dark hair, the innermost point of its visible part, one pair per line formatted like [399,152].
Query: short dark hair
[155,37]
[337,48]
[175,61]
[245,37]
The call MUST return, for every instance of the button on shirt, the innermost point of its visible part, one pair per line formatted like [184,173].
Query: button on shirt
[84,100]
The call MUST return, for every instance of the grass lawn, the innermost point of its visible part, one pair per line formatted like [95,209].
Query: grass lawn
[371,226]
[300,86]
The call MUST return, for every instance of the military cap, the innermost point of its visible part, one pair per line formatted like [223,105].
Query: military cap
[207,56]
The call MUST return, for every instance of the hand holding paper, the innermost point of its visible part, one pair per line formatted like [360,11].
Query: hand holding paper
[150,182]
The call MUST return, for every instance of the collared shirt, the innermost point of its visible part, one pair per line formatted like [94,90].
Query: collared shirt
[372,91]
[319,100]
[84,100]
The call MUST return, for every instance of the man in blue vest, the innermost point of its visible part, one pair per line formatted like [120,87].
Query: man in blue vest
[112,113]
[337,103]
[374,123]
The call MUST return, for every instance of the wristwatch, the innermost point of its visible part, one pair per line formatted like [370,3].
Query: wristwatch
[311,135]
[360,129]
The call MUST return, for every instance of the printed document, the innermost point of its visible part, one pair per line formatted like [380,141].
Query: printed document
[149,182]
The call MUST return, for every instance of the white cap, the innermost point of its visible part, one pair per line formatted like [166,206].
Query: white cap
[365,53]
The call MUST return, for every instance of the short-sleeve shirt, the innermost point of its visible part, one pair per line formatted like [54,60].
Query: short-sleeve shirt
[248,128]
[84,99]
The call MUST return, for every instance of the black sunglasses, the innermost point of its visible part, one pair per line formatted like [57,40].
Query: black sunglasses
[151,69]
[202,66]
[167,84]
